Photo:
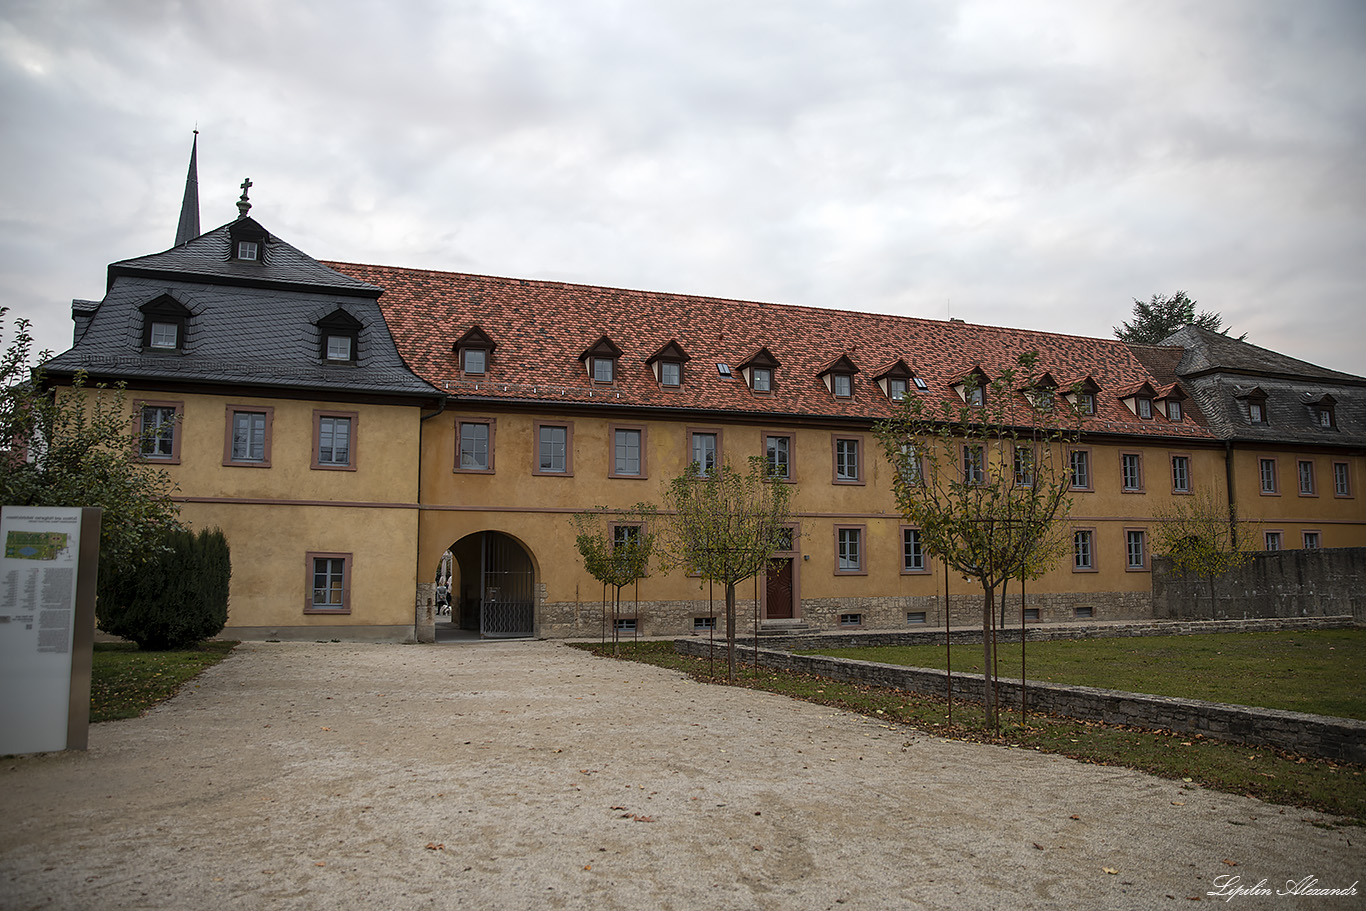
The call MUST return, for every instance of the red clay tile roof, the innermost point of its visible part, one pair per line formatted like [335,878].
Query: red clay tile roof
[542,327]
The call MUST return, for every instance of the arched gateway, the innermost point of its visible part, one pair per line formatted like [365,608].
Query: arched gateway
[495,594]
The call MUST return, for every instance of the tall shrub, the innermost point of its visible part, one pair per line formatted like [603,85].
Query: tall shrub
[175,598]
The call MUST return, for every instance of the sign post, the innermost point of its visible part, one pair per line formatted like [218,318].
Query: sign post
[48,571]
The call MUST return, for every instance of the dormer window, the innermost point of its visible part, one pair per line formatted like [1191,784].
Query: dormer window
[1081,393]
[1145,407]
[1138,398]
[1256,405]
[838,376]
[474,350]
[759,371]
[972,388]
[1174,411]
[896,388]
[339,333]
[247,241]
[667,363]
[1324,412]
[1086,402]
[600,360]
[163,324]
[921,384]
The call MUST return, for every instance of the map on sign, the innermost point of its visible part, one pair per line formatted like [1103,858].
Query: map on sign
[35,545]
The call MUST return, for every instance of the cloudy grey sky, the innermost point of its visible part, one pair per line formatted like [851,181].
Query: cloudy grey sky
[1035,164]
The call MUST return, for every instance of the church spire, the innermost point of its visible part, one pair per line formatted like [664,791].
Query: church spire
[188,229]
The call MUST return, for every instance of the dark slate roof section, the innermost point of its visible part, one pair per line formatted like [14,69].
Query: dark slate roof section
[1217,372]
[239,336]
[543,326]
[1289,417]
[1212,352]
[207,257]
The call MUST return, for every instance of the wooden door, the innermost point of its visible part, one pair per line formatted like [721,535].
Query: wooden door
[778,604]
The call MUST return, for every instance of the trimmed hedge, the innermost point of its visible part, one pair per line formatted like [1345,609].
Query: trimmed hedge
[174,599]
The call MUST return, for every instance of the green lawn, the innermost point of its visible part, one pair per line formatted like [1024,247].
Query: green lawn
[1283,778]
[125,682]
[1318,671]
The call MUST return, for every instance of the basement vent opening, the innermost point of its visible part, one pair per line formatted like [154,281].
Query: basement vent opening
[626,624]
[915,616]
[703,624]
[851,619]
[1085,613]
[1031,613]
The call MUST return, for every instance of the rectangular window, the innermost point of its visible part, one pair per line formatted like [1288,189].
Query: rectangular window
[626,624]
[912,551]
[165,336]
[1273,540]
[974,469]
[476,446]
[1256,412]
[912,472]
[1083,550]
[846,461]
[334,439]
[1131,470]
[474,359]
[670,373]
[778,453]
[1024,466]
[1311,540]
[703,624]
[603,369]
[1306,473]
[896,389]
[554,449]
[339,347]
[157,434]
[1081,469]
[1136,550]
[851,619]
[625,535]
[1031,613]
[628,452]
[1181,474]
[248,436]
[704,452]
[1268,474]
[915,617]
[844,385]
[763,379]
[1084,613]
[1174,412]
[1145,408]
[1342,479]
[246,250]
[1086,402]
[849,549]
[329,584]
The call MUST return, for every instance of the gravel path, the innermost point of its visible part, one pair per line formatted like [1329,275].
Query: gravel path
[532,775]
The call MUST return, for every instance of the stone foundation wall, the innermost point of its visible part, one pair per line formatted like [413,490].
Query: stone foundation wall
[1313,735]
[584,619]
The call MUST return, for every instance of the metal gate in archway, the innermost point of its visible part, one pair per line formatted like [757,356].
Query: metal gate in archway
[507,588]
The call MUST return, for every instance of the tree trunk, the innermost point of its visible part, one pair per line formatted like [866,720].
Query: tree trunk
[730,631]
[988,656]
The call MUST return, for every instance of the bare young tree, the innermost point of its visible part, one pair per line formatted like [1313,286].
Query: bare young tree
[1203,538]
[726,526]
[987,480]
[617,546]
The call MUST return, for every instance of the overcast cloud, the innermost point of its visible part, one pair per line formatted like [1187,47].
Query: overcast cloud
[1025,164]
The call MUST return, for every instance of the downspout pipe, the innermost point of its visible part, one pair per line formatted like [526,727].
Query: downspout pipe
[1228,484]
[424,616]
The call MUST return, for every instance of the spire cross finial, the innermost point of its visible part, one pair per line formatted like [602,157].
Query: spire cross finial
[243,204]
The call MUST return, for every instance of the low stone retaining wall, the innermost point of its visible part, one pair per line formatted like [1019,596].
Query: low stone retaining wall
[840,639]
[1311,735]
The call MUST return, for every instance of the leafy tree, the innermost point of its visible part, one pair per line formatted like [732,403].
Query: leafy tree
[76,446]
[987,480]
[617,546]
[1203,538]
[727,526]
[175,598]
[1162,316]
